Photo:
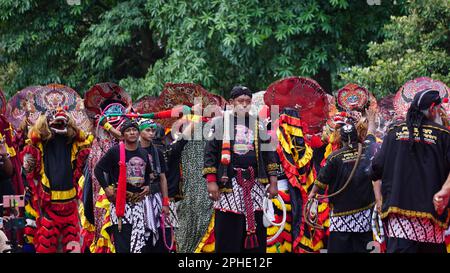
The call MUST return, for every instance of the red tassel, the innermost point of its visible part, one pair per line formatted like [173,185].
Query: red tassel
[251,241]
[122,187]
[171,113]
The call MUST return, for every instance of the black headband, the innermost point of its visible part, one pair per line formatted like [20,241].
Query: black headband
[239,91]
[424,99]
[127,124]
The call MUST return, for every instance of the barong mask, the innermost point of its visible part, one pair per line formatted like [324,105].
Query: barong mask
[57,121]
[349,134]
[114,108]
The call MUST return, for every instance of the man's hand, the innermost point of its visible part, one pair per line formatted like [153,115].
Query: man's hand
[378,205]
[110,193]
[145,191]
[440,200]
[213,191]
[166,211]
[371,114]
[272,190]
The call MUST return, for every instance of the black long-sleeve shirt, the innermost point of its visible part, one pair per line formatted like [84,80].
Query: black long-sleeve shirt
[412,175]
[172,158]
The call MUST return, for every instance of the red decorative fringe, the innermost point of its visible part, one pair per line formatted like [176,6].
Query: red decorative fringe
[284,237]
[211,239]
[122,187]
[251,241]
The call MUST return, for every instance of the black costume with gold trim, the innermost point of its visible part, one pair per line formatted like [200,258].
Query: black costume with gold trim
[411,177]
[266,160]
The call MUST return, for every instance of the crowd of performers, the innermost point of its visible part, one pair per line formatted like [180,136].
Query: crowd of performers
[102,175]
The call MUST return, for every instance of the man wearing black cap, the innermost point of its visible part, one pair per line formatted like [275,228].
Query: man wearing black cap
[237,170]
[350,217]
[131,237]
[410,168]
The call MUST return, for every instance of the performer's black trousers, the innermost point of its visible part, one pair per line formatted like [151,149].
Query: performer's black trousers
[399,245]
[159,246]
[230,233]
[349,242]
[122,239]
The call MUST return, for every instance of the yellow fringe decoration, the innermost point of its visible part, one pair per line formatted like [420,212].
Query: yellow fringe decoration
[309,180]
[289,148]
[278,205]
[105,240]
[84,222]
[323,207]
[286,247]
[307,242]
[273,229]
[63,195]
[329,148]
[31,211]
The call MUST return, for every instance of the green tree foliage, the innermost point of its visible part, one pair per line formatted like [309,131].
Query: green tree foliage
[77,45]
[121,44]
[414,45]
[141,44]
[40,37]
[221,43]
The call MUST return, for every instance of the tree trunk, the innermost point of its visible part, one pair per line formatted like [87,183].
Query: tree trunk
[324,79]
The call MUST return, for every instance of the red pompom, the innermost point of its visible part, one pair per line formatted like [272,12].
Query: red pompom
[445,100]
[211,177]
[315,142]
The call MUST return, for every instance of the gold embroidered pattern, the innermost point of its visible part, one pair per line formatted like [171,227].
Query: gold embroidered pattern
[263,180]
[209,170]
[353,211]
[419,214]
[63,195]
[272,167]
